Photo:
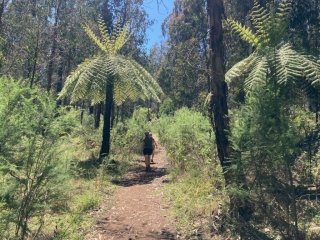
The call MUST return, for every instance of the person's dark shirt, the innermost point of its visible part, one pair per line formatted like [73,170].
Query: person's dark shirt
[148,142]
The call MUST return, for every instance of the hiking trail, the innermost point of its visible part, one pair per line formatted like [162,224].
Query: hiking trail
[137,208]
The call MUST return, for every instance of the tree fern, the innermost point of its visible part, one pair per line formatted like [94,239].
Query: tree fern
[90,78]
[272,55]
[110,74]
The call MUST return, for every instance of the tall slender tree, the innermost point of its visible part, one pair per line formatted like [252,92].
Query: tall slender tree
[218,85]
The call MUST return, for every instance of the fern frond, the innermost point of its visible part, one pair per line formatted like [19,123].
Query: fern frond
[258,73]
[94,38]
[104,33]
[311,68]
[71,81]
[122,38]
[260,17]
[240,69]
[89,80]
[245,33]
[116,31]
[287,65]
[283,11]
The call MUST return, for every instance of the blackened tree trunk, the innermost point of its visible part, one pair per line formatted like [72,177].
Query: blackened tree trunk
[240,210]
[105,147]
[218,86]
[113,115]
[97,115]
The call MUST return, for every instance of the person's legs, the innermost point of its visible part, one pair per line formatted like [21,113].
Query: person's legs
[147,161]
[147,154]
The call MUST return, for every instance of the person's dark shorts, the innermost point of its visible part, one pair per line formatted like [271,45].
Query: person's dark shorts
[147,151]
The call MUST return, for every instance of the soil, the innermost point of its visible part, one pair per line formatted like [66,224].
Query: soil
[138,210]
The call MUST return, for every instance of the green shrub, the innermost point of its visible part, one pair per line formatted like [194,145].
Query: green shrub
[167,107]
[126,138]
[35,180]
[187,138]
[196,184]
[267,135]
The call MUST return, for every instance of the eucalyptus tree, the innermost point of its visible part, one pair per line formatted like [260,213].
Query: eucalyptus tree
[184,71]
[110,77]
[35,48]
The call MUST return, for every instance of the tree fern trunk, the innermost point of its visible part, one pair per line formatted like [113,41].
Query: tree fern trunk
[105,147]
[97,114]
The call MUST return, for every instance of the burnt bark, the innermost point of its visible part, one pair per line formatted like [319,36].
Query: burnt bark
[97,115]
[240,210]
[218,104]
[105,146]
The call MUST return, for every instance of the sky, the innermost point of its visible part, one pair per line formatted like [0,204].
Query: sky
[158,14]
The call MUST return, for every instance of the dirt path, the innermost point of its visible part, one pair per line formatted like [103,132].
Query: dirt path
[138,210]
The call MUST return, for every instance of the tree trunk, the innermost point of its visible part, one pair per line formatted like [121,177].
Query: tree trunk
[54,47]
[239,209]
[3,5]
[97,115]
[105,146]
[218,86]
[35,58]
[113,115]
[60,72]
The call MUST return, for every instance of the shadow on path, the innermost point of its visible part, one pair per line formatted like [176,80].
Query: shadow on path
[127,232]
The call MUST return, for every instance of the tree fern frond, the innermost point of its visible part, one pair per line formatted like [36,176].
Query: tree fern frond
[283,10]
[260,17]
[240,69]
[94,38]
[116,31]
[152,84]
[122,38]
[245,33]
[72,79]
[286,64]
[104,33]
[88,79]
[150,88]
[258,73]
[311,68]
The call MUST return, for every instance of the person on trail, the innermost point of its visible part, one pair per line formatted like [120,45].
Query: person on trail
[147,150]
[154,146]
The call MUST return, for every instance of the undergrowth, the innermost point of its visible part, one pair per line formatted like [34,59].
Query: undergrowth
[196,186]
[50,180]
